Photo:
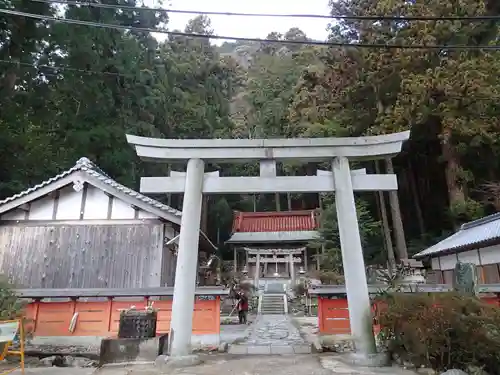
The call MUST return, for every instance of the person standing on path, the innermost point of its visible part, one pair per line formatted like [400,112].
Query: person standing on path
[242,307]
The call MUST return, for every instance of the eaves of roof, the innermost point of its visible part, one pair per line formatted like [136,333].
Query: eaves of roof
[474,235]
[92,174]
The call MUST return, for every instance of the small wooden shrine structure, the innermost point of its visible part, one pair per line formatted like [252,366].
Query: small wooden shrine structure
[274,244]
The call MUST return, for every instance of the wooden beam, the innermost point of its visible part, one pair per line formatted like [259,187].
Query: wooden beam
[405,288]
[113,292]
[242,185]
[24,207]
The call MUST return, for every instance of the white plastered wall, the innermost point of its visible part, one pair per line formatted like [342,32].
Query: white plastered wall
[480,257]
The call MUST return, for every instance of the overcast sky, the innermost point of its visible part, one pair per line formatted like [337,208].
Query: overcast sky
[257,27]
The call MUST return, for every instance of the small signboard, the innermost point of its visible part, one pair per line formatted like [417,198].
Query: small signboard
[10,330]
[205,298]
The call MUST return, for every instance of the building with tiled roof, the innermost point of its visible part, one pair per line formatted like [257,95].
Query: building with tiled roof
[274,244]
[82,229]
[477,242]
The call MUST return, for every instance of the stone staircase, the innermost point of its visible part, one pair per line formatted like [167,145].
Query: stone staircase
[272,304]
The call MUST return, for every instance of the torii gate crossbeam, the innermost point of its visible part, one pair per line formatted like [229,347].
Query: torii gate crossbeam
[194,183]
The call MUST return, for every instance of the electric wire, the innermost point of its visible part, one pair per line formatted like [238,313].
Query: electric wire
[247,39]
[67,68]
[191,35]
[277,15]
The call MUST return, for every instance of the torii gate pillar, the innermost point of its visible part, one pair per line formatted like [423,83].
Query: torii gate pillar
[356,285]
[181,325]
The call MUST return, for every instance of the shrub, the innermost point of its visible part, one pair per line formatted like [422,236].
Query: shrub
[11,307]
[441,330]
[328,277]
[300,289]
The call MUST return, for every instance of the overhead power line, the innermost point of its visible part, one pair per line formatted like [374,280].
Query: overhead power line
[66,68]
[277,15]
[244,39]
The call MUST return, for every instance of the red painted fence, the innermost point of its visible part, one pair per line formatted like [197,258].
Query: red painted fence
[333,314]
[101,318]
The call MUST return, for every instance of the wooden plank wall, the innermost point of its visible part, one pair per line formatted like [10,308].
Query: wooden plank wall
[82,256]
[169,260]
[487,274]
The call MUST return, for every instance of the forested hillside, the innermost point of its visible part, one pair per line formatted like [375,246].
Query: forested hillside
[69,91]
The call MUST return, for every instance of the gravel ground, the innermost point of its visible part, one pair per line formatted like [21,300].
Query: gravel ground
[224,364]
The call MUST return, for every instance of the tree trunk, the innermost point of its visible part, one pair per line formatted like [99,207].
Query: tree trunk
[397,222]
[204,215]
[456,193]
[385,226]
[8,83]
[416,199]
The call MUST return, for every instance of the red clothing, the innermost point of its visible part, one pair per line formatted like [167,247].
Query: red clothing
[243,303]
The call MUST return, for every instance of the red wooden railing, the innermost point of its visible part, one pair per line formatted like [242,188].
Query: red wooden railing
[101,318]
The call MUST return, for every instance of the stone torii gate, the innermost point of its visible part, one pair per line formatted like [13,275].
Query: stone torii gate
[194,183]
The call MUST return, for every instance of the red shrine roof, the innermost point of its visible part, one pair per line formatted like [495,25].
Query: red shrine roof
[285,221]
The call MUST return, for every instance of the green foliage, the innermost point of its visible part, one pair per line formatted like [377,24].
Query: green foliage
[11,307]
[300,289]
[449,100]
[442,331]
[330,277]
[467,210]
[113,82]
[329,241]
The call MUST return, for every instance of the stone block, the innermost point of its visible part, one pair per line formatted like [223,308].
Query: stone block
[238,349]
[454,372]
[368,360]
[302,349]
[281,349]
[259,349]
[116,350]
[167,363]
[317,345]
[223,347]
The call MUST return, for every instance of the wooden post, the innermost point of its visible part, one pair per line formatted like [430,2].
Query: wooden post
[397,222]
[385,226]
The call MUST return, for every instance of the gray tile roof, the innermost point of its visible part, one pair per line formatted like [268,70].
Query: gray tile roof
[272,237]
[86,166]
[473,235]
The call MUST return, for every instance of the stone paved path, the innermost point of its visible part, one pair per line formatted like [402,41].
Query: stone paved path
[272,334]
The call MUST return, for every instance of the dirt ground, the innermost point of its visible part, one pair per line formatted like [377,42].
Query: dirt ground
[224,364]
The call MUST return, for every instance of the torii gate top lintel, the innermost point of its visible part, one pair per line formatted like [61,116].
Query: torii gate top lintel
[317,149]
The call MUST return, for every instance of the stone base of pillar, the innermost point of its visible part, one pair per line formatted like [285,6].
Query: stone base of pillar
[165,362]
[381,359]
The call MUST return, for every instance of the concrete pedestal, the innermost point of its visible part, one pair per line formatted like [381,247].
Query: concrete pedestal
[368,360]
[116,350]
